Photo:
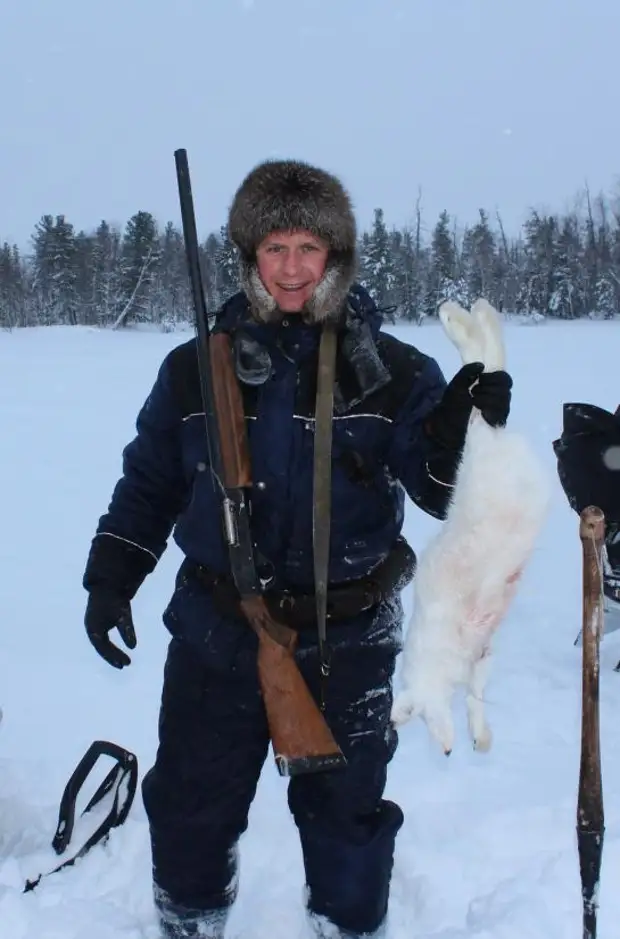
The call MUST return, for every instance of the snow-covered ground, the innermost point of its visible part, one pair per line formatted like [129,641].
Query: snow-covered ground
[488,849]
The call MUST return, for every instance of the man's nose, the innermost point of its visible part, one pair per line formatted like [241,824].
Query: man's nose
[292,263]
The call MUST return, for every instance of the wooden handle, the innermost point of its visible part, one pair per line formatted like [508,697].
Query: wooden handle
[592,534]
[590,814]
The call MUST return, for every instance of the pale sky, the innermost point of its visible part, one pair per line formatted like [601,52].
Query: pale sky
[504,104]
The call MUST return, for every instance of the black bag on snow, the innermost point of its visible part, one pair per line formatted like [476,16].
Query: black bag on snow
[588,458]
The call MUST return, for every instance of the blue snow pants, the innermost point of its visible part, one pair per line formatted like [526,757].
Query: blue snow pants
[213,741]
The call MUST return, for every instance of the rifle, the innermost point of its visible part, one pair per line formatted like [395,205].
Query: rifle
[302,742]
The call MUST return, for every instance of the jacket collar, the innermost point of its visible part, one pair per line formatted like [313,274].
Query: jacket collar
[359,370]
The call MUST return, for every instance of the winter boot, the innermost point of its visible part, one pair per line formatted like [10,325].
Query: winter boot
[179,922]
[205,925]
[321,928]
[348,882]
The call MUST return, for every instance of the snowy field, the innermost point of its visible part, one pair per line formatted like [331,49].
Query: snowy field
[488,850]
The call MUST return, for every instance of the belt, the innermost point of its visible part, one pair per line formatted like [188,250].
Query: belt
[297,608]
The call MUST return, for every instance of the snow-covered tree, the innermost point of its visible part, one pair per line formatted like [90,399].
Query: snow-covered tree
[139,259]
[378,263]
[443,281]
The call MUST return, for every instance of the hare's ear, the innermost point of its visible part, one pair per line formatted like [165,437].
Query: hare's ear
[489,323]
[463,330]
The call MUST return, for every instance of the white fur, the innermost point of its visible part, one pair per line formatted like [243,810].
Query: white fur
[469,573]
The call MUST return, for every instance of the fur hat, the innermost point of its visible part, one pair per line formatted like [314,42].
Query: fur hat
[287,195]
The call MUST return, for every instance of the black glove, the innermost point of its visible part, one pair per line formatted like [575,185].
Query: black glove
[107,610]
[492,396]
[490,392]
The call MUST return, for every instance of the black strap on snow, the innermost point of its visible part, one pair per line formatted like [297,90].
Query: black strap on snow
[125,770]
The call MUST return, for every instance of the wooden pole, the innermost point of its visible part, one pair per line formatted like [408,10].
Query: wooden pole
[590,815]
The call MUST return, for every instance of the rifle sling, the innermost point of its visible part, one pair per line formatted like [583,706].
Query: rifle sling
[322,482]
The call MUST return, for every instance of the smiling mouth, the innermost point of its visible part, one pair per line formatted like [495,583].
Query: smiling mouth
[291,288]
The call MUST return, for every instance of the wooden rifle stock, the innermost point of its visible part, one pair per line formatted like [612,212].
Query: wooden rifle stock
[301,739]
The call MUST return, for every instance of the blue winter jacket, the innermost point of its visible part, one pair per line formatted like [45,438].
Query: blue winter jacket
[381,452]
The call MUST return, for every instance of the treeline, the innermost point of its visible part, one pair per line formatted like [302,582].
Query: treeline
[564,266]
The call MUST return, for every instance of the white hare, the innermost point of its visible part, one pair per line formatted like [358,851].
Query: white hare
[469,572]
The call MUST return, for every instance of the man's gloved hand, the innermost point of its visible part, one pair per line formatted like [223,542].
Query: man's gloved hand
[492,396]
[105,611]
[490,392]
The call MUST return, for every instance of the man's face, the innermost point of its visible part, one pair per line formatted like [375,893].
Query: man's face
[290,265]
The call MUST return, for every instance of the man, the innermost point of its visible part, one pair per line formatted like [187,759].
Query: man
[397,428]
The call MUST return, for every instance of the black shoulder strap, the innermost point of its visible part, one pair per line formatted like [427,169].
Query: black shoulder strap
[125,771]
